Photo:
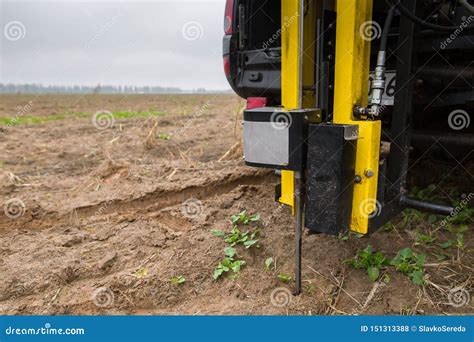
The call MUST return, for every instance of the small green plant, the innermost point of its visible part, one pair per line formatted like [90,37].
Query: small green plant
[233,238]
[269,264]
[389,227]
[432,219]
[164,136]
[412,217]
[426,194]
[218,232]
[424,239]
[178,280]
[460,232]
[459,241]
[371,261]
[243,218]
[236,236]
[441,256]
[411,264]
[343,237]
[284,277]
[464,215]
[142,272]
[349,235]
[228,264]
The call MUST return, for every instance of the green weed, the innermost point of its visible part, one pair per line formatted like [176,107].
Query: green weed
[371,261]
[30,119]
[284,277]
[424,239]
[164,136]
[269,263]
[178,280]
[411,264]
[228,264]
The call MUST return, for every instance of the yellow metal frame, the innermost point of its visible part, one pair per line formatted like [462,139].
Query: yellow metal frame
[290,79]
[297,68]
[351,80]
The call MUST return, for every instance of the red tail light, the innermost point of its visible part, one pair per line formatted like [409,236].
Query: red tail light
[229,16]
[227,66]
[256,102]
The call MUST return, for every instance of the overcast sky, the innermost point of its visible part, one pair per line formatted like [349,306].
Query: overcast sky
[163,43]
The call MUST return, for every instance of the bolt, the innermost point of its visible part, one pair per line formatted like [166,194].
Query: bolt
[369,173]
[358,179]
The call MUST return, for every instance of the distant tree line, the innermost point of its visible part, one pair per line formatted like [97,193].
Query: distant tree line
[10,88]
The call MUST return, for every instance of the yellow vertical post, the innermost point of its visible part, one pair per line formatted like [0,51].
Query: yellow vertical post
[351,82]
[291,78]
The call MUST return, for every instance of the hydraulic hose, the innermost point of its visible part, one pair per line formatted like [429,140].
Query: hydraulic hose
[378,84]
[386,28]
[427,24]
[467,5]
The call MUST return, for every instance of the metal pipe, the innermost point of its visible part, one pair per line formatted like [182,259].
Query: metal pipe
[430,207]
[451,140]
[421,139]
[299,207]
